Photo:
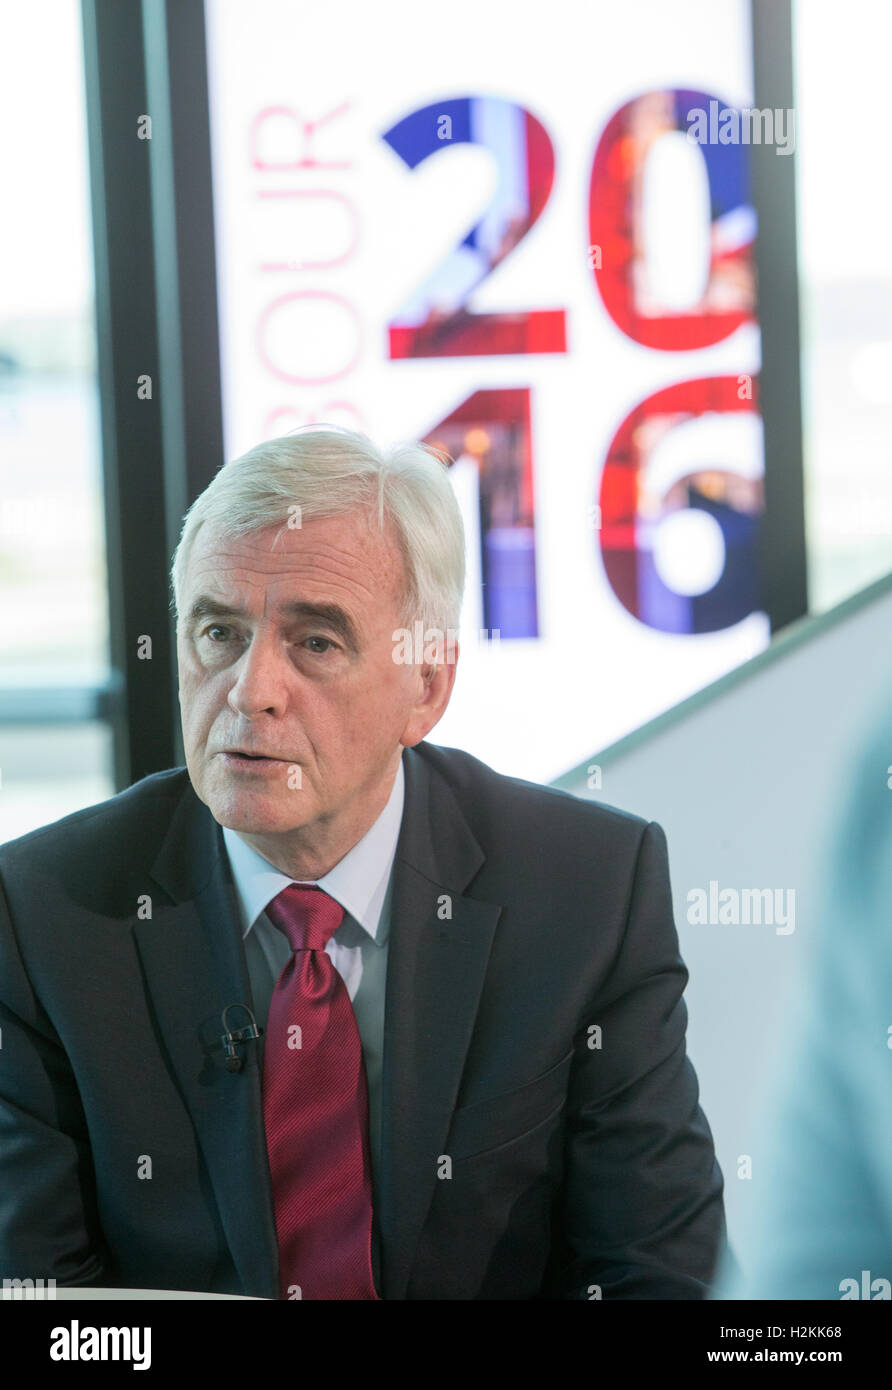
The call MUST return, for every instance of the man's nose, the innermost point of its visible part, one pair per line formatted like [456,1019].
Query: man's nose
[261,683]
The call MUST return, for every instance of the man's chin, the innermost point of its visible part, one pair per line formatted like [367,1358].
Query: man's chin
[257,811]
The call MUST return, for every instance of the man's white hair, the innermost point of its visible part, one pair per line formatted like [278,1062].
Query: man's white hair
[329,471]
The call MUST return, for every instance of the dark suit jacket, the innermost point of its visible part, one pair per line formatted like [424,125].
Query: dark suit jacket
[572,1165]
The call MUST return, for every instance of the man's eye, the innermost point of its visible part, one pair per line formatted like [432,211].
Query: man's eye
[324,643]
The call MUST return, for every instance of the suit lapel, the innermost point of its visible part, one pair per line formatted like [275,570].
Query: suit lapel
[435,971]
[194,964]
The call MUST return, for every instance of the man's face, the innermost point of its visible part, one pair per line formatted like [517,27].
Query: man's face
[286,650]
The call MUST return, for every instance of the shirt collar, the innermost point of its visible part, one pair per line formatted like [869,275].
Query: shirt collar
[358,881]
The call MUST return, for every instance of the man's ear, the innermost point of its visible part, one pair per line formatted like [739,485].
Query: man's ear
[436,690]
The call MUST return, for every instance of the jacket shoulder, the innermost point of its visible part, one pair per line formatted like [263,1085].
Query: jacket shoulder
[489,792]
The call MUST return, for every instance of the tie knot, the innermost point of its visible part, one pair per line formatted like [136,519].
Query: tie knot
[307,915]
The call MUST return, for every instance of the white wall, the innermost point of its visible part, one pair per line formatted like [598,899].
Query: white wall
[748,780]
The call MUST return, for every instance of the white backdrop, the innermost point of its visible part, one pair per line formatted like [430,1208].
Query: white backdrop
[324,236]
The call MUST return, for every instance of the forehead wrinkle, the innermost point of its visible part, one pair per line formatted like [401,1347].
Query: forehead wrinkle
[340,566]
[332,561]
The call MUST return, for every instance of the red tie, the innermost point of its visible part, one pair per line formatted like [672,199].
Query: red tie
[315,1111]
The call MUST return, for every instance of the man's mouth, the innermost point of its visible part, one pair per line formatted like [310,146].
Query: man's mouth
[239,758]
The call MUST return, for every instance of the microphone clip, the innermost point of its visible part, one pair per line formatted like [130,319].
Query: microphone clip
[233,1037]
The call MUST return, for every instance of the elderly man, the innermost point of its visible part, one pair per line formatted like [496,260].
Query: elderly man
[333,1012]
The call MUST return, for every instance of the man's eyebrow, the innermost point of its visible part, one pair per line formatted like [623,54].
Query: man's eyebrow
[331,614]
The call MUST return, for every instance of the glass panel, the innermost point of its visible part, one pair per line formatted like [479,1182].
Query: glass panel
[48,770]
[844,213]
[53,583]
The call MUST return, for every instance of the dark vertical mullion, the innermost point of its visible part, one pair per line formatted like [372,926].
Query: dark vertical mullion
[185,260]
[128,350]
[783,556]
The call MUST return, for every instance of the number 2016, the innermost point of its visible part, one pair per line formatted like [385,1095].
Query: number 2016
[493,425]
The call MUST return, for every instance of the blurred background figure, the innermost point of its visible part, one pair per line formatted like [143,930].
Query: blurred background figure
[823,1229]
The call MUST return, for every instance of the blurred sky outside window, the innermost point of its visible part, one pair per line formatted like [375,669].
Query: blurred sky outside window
[52,542]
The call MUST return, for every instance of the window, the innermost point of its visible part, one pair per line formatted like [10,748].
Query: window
[55,755]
